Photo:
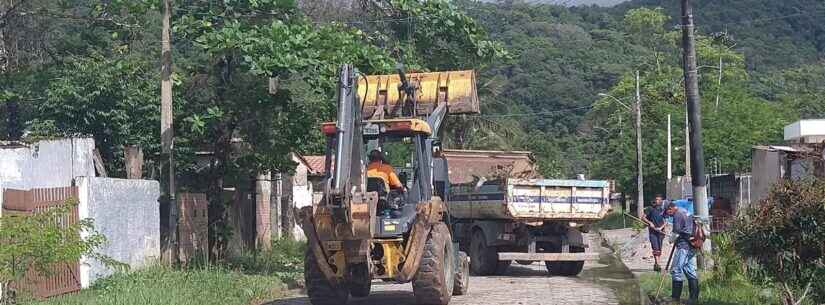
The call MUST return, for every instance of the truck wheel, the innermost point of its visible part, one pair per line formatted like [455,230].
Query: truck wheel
[483,259]
[462,275]
[433,283]
[319,290]
[501,267]
[566,268]
[360,281]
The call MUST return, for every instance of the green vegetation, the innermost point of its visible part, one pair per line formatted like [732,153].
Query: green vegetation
[728,283]
[285,260]
[38,241]
[713,293]
[613,221]
[546,97]
[161,286]
[245,279]
[783,238]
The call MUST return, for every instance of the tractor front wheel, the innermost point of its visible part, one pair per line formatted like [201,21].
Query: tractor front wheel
[434,281]
[319,289]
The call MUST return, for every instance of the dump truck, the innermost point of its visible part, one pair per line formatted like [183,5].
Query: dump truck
[502,211]
[361,231]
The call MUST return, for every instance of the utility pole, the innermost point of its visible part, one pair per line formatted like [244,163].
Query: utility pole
[687,143]
[669,149]
[640,177]
[700,196]
[167,132]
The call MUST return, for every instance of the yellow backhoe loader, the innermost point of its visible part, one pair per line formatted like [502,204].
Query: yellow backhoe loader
[361,231]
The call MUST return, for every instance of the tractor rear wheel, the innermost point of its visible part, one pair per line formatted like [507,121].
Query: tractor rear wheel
[319,289]
[433,283]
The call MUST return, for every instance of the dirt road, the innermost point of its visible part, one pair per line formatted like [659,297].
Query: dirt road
[602,283]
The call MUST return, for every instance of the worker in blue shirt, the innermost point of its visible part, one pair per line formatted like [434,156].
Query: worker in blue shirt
[655,219]
[683,264]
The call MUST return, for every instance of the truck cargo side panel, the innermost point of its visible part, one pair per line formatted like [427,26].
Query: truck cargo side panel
[485,202]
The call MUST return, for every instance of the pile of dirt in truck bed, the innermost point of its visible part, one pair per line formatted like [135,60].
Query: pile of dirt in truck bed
[634,249]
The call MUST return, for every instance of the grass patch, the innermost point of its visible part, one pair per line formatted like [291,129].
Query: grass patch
[163,286]
[285,260]
[714,292]
[613,221]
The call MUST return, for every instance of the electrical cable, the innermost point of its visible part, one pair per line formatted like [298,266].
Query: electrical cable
[535,114]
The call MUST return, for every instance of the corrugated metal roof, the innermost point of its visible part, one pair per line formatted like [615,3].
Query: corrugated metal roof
[466,166]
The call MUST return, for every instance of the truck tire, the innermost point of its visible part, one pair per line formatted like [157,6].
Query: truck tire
[566,268]
[319,290]
[462,275]
[501,267]
[433,283]
[360,281]
[483,259]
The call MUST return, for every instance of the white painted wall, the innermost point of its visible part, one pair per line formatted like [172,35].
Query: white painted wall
[127,213]
[52,163]
[301,196]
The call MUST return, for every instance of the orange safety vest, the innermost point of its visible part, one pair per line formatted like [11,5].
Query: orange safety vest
[385,172]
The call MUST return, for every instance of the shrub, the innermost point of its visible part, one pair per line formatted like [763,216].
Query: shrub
[784,237]
[38,241]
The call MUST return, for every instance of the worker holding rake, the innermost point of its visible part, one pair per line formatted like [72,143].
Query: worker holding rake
[684,266]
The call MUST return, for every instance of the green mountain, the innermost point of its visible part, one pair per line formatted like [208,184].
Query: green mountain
[772,34]
[547,97]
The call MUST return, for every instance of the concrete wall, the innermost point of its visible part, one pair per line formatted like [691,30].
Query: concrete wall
[302,195]
[766,170]
[127,213]
[45,164]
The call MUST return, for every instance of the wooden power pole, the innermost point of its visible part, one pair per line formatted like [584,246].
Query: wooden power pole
[697,158]
[640,197]
[167,135]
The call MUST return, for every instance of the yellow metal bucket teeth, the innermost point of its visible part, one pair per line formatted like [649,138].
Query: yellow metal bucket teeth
[382,98]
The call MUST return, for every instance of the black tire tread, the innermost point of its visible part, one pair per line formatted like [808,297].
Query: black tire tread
[319,290]
[566,268]
[429,285]
[485,261]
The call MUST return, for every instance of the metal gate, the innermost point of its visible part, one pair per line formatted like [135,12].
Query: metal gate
[64,277]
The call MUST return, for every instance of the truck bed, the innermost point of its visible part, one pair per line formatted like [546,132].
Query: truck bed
[531,200]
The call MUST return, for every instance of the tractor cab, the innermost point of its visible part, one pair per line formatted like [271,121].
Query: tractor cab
[403,145]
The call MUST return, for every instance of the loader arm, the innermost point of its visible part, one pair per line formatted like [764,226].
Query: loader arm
[349,154]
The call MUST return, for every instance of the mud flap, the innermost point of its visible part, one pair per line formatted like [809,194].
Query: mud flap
[428,215]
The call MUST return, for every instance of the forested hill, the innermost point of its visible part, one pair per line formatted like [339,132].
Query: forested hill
[549,98]
[772,34]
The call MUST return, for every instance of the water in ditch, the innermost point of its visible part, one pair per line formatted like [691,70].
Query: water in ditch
[612,273]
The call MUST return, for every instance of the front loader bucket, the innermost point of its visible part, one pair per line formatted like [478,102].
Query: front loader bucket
[381,95]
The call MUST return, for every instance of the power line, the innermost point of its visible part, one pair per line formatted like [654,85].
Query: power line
[535,114]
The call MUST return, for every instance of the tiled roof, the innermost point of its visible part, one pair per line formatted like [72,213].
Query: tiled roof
[316,164]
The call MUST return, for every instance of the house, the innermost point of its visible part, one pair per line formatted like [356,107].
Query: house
[297,189]
[802,155]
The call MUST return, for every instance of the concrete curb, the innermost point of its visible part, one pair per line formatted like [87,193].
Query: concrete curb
[608,245]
